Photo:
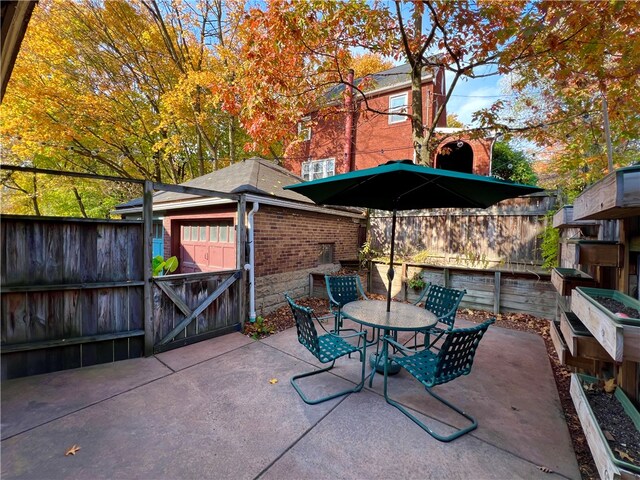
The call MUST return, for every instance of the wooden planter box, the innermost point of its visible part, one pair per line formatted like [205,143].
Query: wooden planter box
[599,253]
[615,196]
[562,350]
[613,332]
[579,340]
[563,218]
[609,467]
[566,279]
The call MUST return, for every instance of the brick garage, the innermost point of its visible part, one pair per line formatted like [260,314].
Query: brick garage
[292,236]
[291,244]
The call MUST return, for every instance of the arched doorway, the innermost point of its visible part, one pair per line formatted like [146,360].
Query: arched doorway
[459,157]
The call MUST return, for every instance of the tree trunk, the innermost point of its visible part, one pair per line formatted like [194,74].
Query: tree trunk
[417,121]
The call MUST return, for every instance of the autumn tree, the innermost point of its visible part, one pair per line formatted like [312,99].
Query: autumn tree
[583,72]
[123,88]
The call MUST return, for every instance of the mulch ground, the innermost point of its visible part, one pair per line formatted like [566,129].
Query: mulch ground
[282,319]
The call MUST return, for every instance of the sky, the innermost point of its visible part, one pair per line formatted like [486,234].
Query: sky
[470,96]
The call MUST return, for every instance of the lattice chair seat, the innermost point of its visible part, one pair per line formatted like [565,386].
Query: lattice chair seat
[326,348]
[431,368]
[332,347]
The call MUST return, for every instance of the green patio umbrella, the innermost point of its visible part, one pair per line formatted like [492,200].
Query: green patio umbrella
[403,185]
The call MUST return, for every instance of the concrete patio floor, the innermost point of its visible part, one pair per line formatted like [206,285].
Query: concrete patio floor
[209,411]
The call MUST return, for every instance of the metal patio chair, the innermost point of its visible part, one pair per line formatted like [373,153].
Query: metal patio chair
[444,303]
[430,368]
[342,290]
[326,348]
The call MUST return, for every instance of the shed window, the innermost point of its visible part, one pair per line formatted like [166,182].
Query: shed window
[326,253]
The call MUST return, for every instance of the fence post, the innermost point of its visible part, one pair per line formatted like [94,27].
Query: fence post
[147,243]
[496,293]
[445,273]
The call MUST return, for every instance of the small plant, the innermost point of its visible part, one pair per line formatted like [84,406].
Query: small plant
[416,282]
[161,266]
[260,328]
[367,253]
[549,247]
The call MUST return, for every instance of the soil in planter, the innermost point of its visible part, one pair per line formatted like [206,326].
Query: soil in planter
[621,433]
[616,307]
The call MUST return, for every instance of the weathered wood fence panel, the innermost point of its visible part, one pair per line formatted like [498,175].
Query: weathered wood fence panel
[520,292]
[503,236]
[220,317]
[71,293]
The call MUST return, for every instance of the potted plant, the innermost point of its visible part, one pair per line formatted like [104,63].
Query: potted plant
[416,282]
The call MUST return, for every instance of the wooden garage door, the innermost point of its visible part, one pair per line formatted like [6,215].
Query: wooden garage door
[207,247]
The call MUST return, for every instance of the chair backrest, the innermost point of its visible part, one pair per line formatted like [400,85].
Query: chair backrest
[443,302]
[456,355]
[344,289]
[307,333]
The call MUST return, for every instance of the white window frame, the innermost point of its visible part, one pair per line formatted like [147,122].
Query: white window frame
[398,108]
[315,169]
[304,129]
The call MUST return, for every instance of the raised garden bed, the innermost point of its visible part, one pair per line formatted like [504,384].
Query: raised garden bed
[611,425]
[598,253]
[566,279]
[579,340]
[563,218]
[618,332]
[615,196]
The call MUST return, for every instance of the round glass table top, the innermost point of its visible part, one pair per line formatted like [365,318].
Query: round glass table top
[403,316]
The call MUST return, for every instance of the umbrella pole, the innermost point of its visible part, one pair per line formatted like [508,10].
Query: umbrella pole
[390,272]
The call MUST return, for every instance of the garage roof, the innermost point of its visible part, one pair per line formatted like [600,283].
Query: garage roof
[254,175]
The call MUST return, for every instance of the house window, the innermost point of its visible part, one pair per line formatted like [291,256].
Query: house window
[304,129]
[398,103]
[326,253]
[314,169]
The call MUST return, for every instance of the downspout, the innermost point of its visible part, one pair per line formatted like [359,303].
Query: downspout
[250,267]
[349,158]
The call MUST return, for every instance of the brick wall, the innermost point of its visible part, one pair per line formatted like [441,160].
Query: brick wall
[288,240]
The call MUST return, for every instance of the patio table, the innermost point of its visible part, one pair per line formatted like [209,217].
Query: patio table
[402,317]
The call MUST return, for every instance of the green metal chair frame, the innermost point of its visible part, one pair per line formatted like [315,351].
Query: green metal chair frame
[326,348]
[444,303]
[342,290]
[453,359]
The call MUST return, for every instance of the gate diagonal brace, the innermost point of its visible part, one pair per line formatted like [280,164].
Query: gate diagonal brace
[191,316]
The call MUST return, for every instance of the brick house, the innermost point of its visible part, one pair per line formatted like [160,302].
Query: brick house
[346,136]
[293,237]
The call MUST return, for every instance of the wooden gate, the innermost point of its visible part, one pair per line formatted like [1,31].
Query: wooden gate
[195,306]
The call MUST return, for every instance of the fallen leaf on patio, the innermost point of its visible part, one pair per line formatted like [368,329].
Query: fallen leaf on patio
[273,381]
[624,455]
[72,450]
[610,385]
[608,436]
[545,469]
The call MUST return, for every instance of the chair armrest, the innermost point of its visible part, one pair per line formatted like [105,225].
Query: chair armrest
[404,350]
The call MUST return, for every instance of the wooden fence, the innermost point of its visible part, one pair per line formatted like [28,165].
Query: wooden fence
[73,294]
[491,290]
[503,236]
